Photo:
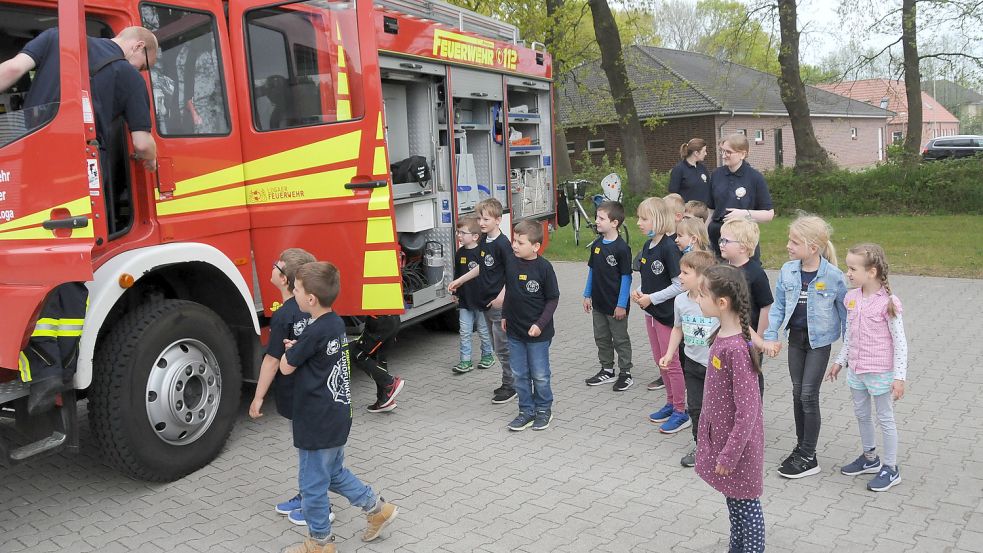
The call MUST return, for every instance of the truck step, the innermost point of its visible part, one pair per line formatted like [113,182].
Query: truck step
[54,441]
[15,389]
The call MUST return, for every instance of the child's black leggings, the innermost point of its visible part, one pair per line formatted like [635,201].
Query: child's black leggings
[747,526]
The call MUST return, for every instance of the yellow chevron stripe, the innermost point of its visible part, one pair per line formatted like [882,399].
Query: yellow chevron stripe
[379,165]
[230,197]
[342,83]
[81,206]
[344,110]
[379,199]
[378,128]
[379,230]
[341,56]
[382,296]
[329,151]
[381,263]
[317,186]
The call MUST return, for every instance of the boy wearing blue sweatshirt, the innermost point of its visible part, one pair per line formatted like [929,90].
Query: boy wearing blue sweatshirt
[606,295]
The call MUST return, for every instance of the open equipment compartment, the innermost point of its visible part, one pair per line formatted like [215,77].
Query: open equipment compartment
[530,144]
[478,139]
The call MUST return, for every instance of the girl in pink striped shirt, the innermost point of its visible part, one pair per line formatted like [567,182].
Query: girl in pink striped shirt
[875,352]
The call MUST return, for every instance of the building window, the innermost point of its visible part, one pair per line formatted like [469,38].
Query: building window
[897,136]
[570,147]
[595,145]
[759,136]
[883,103]
[853,133]
[742,131]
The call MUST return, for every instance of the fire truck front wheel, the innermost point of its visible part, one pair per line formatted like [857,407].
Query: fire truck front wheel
[165,390]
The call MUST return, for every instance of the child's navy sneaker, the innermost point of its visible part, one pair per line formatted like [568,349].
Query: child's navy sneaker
[886,479]
[543,420]
[503,395]
[677,421]
[486,361]
[285,507]
[602,377]
[624,382]
[862,466]
[522,422]
[800,466]
[662,415]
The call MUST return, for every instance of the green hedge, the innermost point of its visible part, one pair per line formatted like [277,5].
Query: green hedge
[937,188]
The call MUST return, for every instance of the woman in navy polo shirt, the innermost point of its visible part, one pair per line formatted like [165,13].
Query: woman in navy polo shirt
[737,191]
[690,178]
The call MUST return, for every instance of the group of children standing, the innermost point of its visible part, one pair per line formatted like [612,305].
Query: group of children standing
[708,325]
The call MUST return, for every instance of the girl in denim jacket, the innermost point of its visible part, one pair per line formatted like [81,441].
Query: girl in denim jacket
[809,306]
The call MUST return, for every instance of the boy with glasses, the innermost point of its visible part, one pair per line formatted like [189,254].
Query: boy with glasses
[468,302]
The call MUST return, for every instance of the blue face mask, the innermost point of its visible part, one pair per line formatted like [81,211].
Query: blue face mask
[651,234]
[688,249]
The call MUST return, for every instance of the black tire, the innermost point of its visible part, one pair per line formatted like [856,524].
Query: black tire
[623,231]
[576,226]
[154,345]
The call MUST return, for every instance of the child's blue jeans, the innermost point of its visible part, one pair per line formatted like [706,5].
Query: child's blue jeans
[467,319]
[320,470]
[531,370]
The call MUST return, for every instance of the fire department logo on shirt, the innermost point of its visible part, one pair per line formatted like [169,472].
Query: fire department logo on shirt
[657,267]
[611,260]
[299,327]
[472,265]
[704,177]
[338,382]
[532,287]
[489,260]
[333,347]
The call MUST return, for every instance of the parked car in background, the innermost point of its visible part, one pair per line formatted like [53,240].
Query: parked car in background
[948,147]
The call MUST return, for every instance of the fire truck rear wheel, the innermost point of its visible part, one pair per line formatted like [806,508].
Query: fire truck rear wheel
[165,390]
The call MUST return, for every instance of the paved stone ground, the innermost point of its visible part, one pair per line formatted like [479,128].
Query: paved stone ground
[601,479]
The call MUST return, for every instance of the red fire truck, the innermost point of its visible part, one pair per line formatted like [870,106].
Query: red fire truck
[357,130]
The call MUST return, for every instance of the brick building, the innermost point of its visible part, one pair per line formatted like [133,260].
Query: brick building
[682,95]
[892,95]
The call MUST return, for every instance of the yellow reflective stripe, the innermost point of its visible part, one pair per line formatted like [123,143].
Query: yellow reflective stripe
[81,206]
[317,186]
[231,197]
[46,333]
[341,56]
[379,230]
[382,296]
[379,198]
[379,165]
[380,263]
[329,151]
[344,110]
[342,83]
[24,366]
[378,128]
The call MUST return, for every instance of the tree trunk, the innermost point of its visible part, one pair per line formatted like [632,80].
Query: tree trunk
[912,79]
[810,156]
[629,127]
[554,36]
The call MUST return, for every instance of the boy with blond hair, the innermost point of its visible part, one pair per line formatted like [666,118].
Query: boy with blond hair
[322,420]
[677,204]
[696,209]
[738,241]
[495,253]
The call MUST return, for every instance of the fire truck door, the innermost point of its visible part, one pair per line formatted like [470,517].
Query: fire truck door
[49,186]
[199,190]
[316,168]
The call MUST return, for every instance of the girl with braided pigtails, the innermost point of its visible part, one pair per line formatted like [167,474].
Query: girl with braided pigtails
[730,442]
[875,352]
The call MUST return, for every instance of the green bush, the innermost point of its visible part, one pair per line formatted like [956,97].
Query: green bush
[935,188]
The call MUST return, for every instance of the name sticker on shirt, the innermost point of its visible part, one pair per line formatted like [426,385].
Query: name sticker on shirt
[464,260]
[523,277]
[644,261]
[715,362]
[597,250]
[820,286]
[851,304]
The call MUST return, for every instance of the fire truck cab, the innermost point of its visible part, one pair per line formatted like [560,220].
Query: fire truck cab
[358,130]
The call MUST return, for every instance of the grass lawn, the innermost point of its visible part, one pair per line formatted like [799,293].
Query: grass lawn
[935,245]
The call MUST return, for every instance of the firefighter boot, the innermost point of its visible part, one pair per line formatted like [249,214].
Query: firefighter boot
[43,394]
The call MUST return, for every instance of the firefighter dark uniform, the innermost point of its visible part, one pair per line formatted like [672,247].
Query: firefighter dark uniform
[49,360]
[369,354]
